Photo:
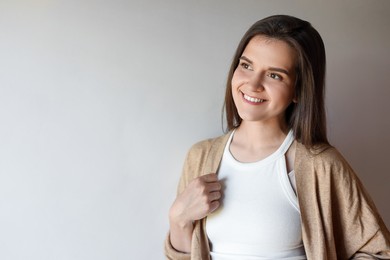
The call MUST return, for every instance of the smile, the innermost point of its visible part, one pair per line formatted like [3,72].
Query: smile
[252,99]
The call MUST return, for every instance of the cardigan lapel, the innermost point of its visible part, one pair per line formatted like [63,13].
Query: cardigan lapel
[215,154]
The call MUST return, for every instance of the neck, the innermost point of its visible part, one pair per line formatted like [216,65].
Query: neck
[258,135]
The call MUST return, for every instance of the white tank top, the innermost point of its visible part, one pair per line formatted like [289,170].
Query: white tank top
[259,217]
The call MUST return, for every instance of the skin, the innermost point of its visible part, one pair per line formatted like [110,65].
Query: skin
[266,72]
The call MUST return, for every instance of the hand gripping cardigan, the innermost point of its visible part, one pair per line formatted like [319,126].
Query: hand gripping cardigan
[339,219]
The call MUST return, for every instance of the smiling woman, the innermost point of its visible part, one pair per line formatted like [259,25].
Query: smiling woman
[273,187]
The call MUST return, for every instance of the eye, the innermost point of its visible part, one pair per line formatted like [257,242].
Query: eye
[275,76]
[245,65]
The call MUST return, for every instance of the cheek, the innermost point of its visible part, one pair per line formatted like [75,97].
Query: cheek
[235,83]
[237,79]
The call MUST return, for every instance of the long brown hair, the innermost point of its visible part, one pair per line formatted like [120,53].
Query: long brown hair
[307,117]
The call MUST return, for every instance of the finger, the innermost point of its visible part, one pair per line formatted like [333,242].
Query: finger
[214,205]
[213,186]
[211,177]
[216,195]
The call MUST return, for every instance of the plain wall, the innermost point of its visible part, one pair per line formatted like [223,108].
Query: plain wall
[100,101]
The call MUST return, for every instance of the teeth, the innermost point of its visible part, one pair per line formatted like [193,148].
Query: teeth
[254,100]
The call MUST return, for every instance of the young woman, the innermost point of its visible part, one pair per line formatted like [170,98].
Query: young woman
[273,187]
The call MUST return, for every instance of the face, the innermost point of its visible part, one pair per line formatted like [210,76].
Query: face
[263,82]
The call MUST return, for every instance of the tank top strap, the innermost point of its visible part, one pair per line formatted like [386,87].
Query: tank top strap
[286,143]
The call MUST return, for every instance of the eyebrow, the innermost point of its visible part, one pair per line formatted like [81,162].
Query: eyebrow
[246,59]
[270,68]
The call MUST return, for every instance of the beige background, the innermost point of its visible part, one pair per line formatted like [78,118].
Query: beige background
[100,101]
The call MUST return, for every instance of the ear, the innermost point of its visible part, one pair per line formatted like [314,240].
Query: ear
[295,100]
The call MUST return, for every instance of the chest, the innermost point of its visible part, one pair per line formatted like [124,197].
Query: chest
[259,210]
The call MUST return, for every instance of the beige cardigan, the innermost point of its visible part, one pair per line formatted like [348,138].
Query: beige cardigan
[339,220]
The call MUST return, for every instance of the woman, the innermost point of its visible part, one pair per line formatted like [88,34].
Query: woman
[273,187]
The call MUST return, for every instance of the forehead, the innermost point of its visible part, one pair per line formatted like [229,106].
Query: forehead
[271,51]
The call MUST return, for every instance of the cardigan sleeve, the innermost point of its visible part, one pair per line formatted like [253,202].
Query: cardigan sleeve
[358,229]
[375,244]
[363,227]
[339,219]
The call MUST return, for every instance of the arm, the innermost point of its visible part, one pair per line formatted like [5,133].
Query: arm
[339,218]
[375,248]
[358,226]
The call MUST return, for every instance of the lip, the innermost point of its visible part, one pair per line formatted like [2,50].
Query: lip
[252,102]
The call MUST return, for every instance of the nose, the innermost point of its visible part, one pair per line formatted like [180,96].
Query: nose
[256,82]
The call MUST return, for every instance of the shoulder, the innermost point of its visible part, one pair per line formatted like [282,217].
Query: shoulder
[201,152]
[202,158]
[325,164]
[322,155]
[326,171]
[205,146]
